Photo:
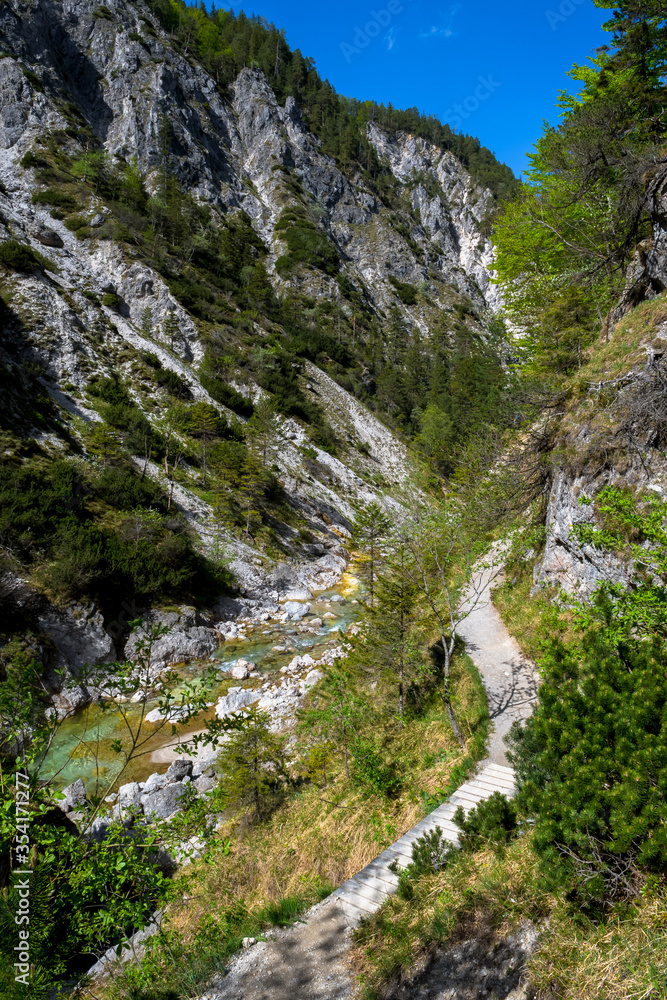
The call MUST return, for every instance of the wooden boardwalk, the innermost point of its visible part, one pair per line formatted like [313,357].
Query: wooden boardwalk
[365,892]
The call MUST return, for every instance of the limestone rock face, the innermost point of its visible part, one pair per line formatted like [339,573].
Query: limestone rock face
[186,640]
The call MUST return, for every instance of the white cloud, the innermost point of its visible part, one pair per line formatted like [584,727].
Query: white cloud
[444,30]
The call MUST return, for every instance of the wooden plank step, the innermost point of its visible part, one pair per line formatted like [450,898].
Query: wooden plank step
[500,769]
[367,892]
[492,786]
[374,881]
[360,902]
[465,800]
[468,788]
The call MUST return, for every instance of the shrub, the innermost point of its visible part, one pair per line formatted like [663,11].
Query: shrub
[109,390]
[491,823]
[174,383]
[19,257]
[29,159]
[52,196]
[76,222]
[226,394]
[373,771]
[111,300]
[407,293]
[430,853]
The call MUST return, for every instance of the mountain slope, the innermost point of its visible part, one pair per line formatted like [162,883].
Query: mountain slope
[193,294]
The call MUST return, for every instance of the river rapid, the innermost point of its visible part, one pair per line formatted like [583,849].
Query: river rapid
[83,747]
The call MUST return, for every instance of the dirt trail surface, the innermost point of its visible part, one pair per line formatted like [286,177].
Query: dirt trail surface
[509,677]
[305,962]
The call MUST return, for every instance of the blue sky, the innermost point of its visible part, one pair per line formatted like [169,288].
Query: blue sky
[502,64]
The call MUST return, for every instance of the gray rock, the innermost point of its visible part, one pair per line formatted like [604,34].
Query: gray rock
[165,801]
[204,766]
[75,796]
[99,827]
[70,699]
[204,783]
[154,783]
[179,769]
[295,610]
[185,640]
[129,795]
[235,700]
[97,220]
[48,238]
[298,594]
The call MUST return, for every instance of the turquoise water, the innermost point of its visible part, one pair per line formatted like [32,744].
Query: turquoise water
[83,745]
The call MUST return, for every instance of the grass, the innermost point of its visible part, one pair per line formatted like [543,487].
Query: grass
[520,613]
[316,838]
[487,896]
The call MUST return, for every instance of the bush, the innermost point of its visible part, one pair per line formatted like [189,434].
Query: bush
[307,245]
[226,394]
[430,853]
[19,257]
[52,196]
[591,759]
[29,159]
[374,772]
[406,293]
[111,300]
[75,223]
[491,823]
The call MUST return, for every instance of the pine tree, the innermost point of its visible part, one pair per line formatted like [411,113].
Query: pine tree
[391,622]
[371,526]
[253,762]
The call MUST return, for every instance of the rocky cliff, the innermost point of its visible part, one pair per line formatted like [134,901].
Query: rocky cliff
[97,289]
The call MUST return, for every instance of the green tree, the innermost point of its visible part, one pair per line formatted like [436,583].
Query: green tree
[254,764]
[389,636]
[371,526]
[337,716]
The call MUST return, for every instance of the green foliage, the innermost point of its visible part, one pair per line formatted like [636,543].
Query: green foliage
[406,293]
[74,224]
[47,510]
[564,244]
[53,196]
[591,759]
[492,822]
[19,257]
[111,300]
[306,245]
[372,770]
[225,394]
[253,763]
[430,853]
[31,159]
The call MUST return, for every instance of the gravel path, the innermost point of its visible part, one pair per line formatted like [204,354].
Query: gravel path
[509,678]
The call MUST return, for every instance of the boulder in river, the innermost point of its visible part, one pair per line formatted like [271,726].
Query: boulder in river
[235,700]
[296,610]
